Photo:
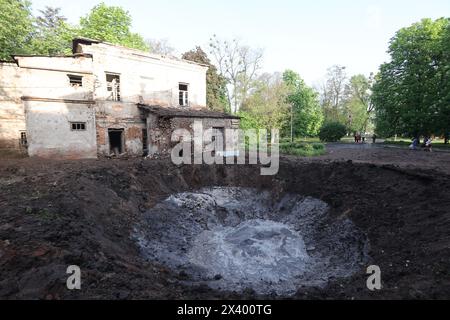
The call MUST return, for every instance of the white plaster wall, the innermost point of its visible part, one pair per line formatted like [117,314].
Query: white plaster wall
[146,78]
[46,77]
[12,116]
[50,134]
[35,77]
[73,64]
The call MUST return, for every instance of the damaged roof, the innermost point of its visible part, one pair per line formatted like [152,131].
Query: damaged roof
[88,41]
[168,112]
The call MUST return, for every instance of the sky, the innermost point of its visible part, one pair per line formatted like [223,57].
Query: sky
[305,36]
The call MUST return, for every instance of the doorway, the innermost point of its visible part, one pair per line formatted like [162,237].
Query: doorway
[218,139]
[116,141]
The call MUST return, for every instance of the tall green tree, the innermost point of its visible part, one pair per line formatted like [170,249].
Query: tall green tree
[216,85]
[358,107]
[15,27]
[306,112]
[52,35]
[333,94]
[265,106]
[411,90]
[111,24]
[444,86]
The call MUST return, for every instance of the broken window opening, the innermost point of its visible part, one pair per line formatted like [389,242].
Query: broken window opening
[23,139]
[75,81]
[183,97]
[78,126]
[116,141]
[113,86]
[145,141]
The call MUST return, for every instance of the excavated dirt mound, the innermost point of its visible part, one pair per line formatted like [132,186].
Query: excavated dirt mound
[90,214]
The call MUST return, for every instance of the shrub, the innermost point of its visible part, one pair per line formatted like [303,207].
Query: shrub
[318,146]
[308,147]
[332,132]
[302,149]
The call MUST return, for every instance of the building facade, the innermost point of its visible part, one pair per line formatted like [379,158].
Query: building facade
[103,100]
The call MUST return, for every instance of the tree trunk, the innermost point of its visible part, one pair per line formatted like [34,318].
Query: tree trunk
[292,123]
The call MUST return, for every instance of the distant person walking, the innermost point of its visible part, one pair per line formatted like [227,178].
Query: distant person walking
[428,145]
[425,139]
[414,144]
[374,138]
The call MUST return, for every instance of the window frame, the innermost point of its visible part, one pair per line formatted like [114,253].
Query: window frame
[109,88]
[75,84]
[23,138]
[83,126]
[183,95]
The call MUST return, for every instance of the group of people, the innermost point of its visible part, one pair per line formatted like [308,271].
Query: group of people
[415,144]
[361,137]
[426,145]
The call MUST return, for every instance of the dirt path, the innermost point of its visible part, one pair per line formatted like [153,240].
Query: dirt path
[385,155]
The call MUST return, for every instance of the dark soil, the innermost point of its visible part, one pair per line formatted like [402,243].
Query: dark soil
[56,214]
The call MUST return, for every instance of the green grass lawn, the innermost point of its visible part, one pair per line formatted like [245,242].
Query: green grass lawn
[317,140]
[303,149]
[350,139]
[437,143]
[301,140]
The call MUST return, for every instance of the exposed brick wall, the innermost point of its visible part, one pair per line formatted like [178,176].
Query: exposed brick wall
[161,129]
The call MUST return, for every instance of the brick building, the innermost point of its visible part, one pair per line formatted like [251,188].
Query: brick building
[102,100]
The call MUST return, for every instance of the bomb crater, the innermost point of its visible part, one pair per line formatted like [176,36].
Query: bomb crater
[233,239]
